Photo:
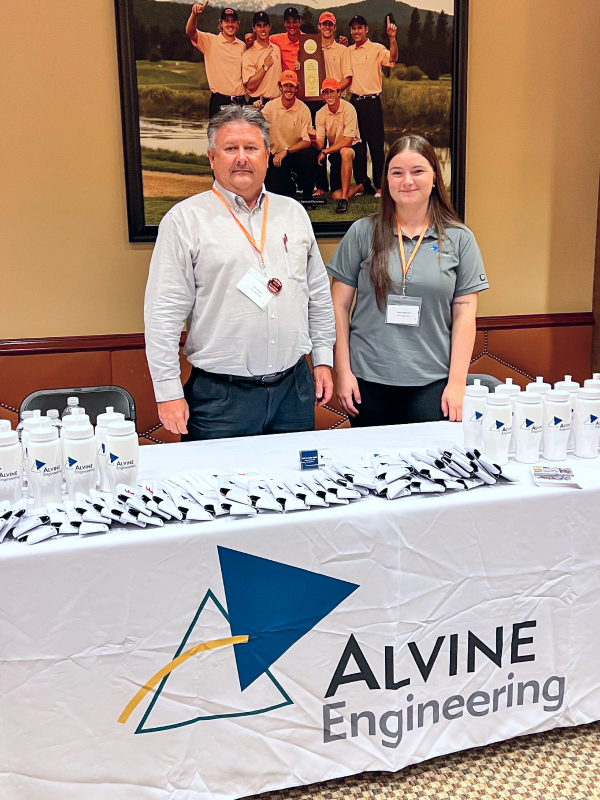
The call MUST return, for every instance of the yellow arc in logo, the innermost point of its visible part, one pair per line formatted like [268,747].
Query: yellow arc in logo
[156,679]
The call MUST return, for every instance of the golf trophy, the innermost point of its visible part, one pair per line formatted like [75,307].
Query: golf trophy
[312,66]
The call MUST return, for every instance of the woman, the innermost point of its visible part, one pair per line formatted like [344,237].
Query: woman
[415,272]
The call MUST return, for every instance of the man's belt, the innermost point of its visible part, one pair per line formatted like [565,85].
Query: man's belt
[231,96]
[365,96]
[254,380]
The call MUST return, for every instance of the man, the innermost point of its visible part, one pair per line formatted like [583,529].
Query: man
[366,59]
[289,42]
[337,123]
[222,58]
[243,268]
[291,151]
[337,56]
[261,63]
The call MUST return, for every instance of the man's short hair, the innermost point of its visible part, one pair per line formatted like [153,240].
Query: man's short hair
[235,113]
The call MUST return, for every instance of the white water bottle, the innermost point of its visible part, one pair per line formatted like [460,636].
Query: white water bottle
[512,390]
[102,423]
[586,422]
[557,425]
[497,427]
[72,402]
[11,466]
[76,417]
[592,383]
[472,414]
[25,415]
[45,468]
[540,386]
[570,386]
[122,454]
[29,424]
[80,456]
[529,420]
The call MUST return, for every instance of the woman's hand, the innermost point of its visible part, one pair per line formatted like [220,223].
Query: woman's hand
[348,392]
[452,400]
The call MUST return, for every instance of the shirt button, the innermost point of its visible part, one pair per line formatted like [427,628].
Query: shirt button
[272,341]
[270,366]
[272,316]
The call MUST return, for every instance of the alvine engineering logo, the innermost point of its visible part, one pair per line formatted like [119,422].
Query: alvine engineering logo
[119,463]
[74,465]
[42,468]
[501,427]
[557,422]
[476,416]
[592,420]
[270,606]
[529,425]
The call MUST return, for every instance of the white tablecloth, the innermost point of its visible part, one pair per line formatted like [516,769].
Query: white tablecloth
[427,588]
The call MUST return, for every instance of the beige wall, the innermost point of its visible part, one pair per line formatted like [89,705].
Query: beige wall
[533,153]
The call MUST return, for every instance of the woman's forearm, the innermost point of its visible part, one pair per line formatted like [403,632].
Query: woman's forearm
[464,311]
[343,297]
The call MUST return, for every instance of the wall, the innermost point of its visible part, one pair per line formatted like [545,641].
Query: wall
[533,149]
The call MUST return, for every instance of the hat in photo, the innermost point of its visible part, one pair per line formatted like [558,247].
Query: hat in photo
[330,83]
[327,16]
[289,76]
[229,12]
[358,20]
[291,12]
[261,16]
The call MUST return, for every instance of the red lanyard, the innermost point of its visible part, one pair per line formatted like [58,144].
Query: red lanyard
[405,265]
[249,236]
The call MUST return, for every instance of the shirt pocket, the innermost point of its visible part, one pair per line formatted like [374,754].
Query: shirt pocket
[295,257]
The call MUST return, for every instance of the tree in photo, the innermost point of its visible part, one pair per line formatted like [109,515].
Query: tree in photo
[412,37]
[440,45]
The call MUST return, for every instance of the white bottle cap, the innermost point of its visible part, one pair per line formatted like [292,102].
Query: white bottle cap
[538,386]
[27,415]
[79,431]
[557,396]
[589,393]
[568,385]
[4,425]
[8,437]
[511,388]
[43,434]
[75,419]
[475,389]
[121,428]
[591,383]
[77,411]
[497,399]
[36,412]
[72,401]
[529,397]
[33,422]
[110,416]
[596,376]
[52,413]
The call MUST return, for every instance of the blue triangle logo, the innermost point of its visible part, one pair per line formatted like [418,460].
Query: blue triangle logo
[274,605]
[557,420]
[39,464]
[478,415]
[528,423]
[499,425]
[72,461]
[103,448]
[113,458]
[593,418]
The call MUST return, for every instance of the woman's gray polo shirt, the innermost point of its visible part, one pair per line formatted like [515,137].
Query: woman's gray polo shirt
[398,354]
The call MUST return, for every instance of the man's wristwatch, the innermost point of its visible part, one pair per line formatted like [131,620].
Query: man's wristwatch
[266,69]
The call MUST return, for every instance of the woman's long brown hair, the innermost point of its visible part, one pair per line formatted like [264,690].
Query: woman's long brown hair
[441,214]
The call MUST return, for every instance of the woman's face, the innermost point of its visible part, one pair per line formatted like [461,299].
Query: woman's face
[410,179]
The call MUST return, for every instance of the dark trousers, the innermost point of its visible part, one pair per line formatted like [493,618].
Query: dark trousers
[279,179]
[321,169]
[217,100]
[370,125]
[222,406]
[382,404]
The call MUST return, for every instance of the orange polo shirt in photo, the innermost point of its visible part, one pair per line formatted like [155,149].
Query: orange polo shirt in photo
[223,62]
[289,50]
[254,58]
[332,126]
[288,126]
[337,62]
[366,62]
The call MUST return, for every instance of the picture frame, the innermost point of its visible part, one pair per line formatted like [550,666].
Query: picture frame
[142,218]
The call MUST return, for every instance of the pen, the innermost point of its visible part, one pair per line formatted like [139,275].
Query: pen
[285,241]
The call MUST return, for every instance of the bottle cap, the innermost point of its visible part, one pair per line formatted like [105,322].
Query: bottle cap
[36,412]
[475,389]
[4,425]
[568,385]
[77,411]
[538,386]
[529,397]
[33,422]
[591,383]
[588,393]
[557,396]
[121,428]
[497,399]
[110,416]
[72,401]
[27,415]
[52,413]
[596,376]
[511,388]
[75,419]
[8,437]
[79,431]
[44,433]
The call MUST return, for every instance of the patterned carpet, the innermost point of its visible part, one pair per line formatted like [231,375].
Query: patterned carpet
[563,763]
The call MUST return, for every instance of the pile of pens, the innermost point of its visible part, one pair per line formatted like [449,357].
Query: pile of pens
[202,496]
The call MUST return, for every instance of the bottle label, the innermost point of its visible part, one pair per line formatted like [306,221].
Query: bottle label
[6,477]
[556,423]
[77,468]
[41,468]
[530,426]
[592,420]
[121,463]
[501,427]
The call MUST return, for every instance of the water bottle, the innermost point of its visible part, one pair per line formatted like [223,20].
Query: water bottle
[592,383]
[557,425]
[540,386]
[54,418]
[497,427]
[79,458]
[45,468]
[102,423]
[122,454]
[570,386]
[11,466]
[25,415]
[512,390]
[29,424]
[472,414]
[72,402]
[586,421]
[529,420]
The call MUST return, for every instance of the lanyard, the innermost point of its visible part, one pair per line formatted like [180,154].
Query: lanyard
[406,266]
[248,236]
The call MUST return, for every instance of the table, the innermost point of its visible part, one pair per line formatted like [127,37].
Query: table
[380,634]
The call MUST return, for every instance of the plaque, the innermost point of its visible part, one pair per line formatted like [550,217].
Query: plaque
[312,66]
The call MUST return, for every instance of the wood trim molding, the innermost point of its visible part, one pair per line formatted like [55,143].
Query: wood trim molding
[135,341]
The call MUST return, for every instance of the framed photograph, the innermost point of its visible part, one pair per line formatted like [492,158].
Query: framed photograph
[398,66]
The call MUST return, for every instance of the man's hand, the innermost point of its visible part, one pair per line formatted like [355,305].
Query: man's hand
[259,103]
[198,8]
[391,29]
[174,415]
[321,157]
[269,59]
[452,400]
[343,40]
[297,66]
[323,385]
[249,39]
[312,134]
[278,157]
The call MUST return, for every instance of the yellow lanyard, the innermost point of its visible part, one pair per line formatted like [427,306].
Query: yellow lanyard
[249,236]
[405,265]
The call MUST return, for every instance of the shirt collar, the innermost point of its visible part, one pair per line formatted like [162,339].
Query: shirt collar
[428,234]
[366,43]
[237,203]
[329,111]
[291,108]
[224,40]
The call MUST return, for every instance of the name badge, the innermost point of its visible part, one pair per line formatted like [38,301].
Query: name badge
[403,310]
[254,286]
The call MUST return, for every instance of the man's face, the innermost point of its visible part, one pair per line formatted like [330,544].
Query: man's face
[240,160]
[359,33]
[288,90]
[292,25]
[331,96]
[229,26]
[262,31]
[327,29]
